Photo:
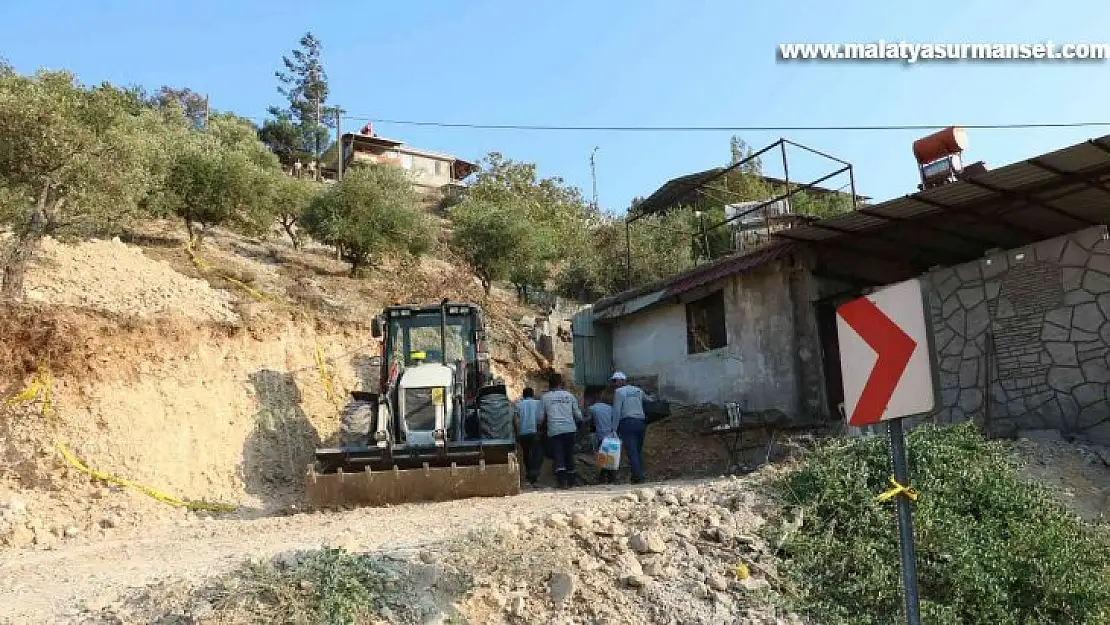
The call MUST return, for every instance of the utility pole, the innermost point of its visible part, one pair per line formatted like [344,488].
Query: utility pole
[316,128]
[339,142]
[206,112]
[316,139]
[593,177]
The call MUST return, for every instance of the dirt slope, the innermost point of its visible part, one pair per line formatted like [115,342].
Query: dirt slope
[210,378]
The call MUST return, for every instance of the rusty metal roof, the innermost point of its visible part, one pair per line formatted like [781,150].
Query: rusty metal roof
[1035,199]
[632,300]
[729,266]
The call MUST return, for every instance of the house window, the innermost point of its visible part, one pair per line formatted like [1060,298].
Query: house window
[705,324]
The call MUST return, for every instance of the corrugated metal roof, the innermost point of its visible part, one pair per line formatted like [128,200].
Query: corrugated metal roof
[1039,198]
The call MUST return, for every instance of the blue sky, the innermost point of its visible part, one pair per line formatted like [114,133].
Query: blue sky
[604,63]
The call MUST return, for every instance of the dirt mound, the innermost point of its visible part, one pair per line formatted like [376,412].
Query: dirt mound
[116,278]
[685,554]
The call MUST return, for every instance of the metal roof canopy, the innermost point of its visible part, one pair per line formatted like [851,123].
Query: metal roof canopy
[1039,198]
[687,189]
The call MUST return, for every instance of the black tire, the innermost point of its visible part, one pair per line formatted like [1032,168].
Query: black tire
[355,423]
[495,416]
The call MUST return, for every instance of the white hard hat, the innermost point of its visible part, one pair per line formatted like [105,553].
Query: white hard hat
[619,376]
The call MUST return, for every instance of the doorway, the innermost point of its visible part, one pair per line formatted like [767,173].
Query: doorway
[825,310]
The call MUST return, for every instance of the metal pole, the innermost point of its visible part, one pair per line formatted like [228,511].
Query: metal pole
[704,235]
[593,177]
[339,142]
[905,523]
[852,181]
[627,254]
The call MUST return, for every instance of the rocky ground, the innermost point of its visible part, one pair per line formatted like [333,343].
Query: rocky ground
[1077,470]
[683,553]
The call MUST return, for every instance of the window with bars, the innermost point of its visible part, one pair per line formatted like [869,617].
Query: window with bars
[705,324]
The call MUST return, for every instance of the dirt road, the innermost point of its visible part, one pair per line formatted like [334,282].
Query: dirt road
[55,586]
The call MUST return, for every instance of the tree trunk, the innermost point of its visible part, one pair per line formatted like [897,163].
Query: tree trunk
[487,286]
[292,235]
[193,241]
[15,266]
[357,262]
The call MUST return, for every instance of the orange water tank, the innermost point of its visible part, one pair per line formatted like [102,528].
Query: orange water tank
[951,140]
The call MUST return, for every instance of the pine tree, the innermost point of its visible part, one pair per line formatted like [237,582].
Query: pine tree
[305,84]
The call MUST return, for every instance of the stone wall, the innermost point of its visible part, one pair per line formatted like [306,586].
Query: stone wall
[1023,337]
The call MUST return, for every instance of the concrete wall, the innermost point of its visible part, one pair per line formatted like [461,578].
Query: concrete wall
[759,367]
[422,168]
[1023,337]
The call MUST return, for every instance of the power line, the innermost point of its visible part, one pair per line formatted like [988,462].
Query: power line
[540,127]
[555,128]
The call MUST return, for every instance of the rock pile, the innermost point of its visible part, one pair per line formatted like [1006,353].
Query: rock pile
[656,555]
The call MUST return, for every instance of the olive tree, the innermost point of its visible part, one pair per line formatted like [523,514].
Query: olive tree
[291,197]
[514,225]
[493,239]
[373,211]
[73,163]
[223,177]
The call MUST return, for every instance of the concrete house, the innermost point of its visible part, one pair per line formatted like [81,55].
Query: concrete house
[434,173]
[1016,268]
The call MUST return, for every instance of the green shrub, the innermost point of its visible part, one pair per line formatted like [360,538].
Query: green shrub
[329,587]
[992,548]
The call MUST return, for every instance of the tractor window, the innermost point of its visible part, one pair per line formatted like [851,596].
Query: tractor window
[420,333]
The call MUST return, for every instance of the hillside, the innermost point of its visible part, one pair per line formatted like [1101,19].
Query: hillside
[164,373]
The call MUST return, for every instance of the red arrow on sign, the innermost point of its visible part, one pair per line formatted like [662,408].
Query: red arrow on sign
[893,348]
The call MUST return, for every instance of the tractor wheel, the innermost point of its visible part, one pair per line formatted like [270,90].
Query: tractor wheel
[354,425]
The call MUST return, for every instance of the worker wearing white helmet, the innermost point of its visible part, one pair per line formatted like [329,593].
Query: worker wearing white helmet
[630,421]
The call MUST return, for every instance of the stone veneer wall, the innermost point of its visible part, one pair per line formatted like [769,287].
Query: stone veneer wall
[1023,337]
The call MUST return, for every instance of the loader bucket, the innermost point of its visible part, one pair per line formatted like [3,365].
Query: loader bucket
[395,486]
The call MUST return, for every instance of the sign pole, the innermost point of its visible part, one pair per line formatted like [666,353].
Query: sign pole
[905,523]
[890,328]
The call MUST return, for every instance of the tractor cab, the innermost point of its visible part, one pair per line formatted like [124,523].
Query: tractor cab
[448,335]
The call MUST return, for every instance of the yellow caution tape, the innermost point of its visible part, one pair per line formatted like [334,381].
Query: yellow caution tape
[205,267]
[41,384]
[156,494]
[741,571]
[897,489]
[325,377]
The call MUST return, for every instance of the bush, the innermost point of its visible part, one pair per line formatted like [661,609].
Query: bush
[330,586]
[992,548]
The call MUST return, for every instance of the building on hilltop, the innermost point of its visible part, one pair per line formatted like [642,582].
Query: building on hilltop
[433,173]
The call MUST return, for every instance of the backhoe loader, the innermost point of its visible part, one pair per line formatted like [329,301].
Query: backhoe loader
[433,425]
